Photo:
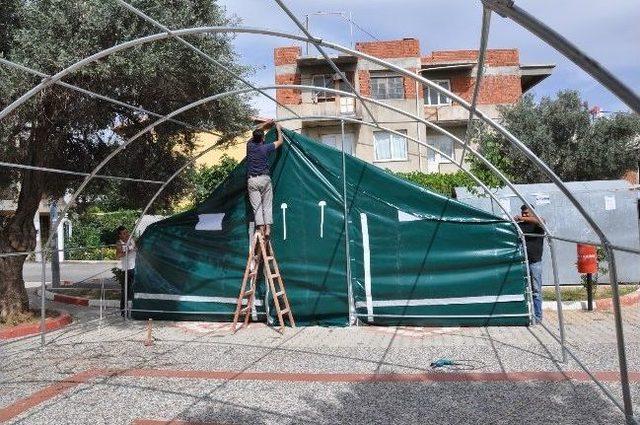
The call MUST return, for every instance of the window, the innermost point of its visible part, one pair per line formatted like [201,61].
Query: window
[387,87]
[389,146]
[334,141]
[433,97]
[333,81]
[325,81]
[443,143]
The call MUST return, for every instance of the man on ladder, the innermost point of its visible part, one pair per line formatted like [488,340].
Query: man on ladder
[261,250]
[259,178]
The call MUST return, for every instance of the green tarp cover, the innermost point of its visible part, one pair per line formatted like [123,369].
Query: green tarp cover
[416,257]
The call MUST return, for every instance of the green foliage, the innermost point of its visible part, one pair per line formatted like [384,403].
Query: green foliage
[206,178]
[563,134]
[60,128]
[440,183]
[118,275]
[95,229]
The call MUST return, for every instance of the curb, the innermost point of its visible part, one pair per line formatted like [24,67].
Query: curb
[78,301]
[602,304]
[51,324]
[625,300]
[566,305]
[106,262]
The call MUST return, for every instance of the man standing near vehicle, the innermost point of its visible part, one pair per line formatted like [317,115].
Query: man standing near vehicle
[259,178]
[530,226]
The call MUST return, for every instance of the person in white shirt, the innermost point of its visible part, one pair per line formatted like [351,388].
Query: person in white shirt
[126,253]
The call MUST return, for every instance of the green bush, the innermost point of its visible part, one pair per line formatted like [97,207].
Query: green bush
[94,229]
[206,178]
[437,182]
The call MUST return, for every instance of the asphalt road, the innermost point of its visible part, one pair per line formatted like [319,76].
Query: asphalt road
[70,271]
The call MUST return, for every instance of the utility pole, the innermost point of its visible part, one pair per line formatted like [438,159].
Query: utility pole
[55,255]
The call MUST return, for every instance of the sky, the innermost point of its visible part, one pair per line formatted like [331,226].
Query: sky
[608,31]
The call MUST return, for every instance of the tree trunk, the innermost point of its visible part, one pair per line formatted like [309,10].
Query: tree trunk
[19,233]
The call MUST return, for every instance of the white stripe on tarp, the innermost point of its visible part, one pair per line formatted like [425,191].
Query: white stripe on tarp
[485,299]
[191,298]
[442,316]
[367,266]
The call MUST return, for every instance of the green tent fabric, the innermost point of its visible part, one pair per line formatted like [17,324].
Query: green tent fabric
[416,257]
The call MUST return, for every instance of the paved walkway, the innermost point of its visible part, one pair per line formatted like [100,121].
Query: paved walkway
[101,372]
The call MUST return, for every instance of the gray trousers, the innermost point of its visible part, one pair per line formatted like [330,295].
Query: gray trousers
[261,198]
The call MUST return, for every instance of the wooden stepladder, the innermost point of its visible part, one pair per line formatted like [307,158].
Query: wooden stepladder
[261,253]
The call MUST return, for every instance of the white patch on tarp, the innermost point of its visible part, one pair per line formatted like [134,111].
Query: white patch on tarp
[210,221]
[404,216]
[609,203]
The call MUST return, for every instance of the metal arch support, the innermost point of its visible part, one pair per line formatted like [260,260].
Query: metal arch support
[317,45]
[199,52]
[239,91]
[74,173]
[512,139]
[484,39]
[507,8]
[97,95]
[362,55]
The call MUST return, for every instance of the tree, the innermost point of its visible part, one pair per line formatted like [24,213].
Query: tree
[206,178]
[563,134]
[60,128]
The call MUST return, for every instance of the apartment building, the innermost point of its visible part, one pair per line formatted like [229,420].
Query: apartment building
[505,80]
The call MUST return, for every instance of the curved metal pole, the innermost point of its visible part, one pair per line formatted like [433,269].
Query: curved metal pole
[567,48]
[201,53]
[484,39]
[92,94]
[511,138]
[201,101]
[373,59]
[74,173]
[316,43]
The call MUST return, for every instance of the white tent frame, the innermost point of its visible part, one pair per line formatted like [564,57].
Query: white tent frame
[505,8]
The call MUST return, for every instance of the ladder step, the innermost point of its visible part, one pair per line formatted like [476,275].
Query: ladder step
[275,275]
[279,293]
[248,293]
[270,257]
[245,310]
[286,310]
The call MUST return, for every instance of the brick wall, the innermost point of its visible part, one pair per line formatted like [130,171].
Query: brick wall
[410,87]
[493,57]
[286,55]
[405,48]
[288,96]
[364,79]
[493,88]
